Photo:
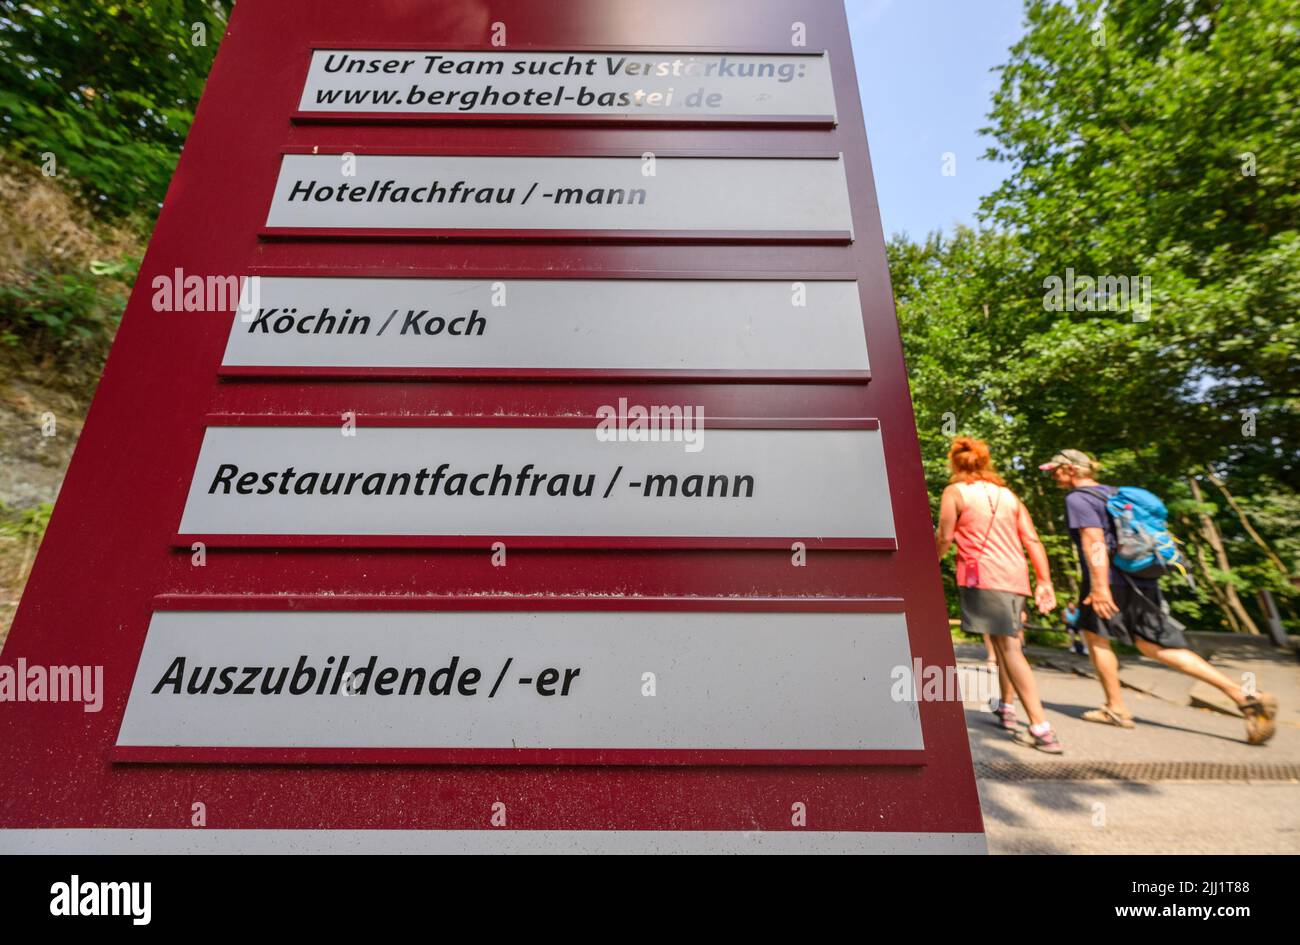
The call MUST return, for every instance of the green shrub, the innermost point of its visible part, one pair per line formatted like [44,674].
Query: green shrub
[107,90]
[25,523]
[78,308]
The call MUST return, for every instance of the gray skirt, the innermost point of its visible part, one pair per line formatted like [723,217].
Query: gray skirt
[993,612]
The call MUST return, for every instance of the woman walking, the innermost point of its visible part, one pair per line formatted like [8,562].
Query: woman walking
[993,530]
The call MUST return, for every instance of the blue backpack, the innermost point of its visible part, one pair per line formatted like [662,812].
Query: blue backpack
[1144,547]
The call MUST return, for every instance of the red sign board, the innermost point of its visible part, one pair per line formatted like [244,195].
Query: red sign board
[506,446]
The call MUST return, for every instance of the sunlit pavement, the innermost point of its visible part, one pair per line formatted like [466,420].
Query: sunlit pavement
[1055,807]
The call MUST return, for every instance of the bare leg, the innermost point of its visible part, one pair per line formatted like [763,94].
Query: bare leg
[994,664]
[1006,685]
[1015,670]
[1193,665]
[1107,666]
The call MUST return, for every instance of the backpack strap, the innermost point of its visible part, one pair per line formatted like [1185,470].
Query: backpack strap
[1100,495]
[1108,533]
[1097,492]
[1151,605]
[1138,591]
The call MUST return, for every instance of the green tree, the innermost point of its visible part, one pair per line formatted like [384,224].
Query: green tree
[108,89]
[965,337]
[1159,139]
[1154,140]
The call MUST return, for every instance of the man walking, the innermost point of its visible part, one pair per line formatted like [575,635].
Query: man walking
[1116,606]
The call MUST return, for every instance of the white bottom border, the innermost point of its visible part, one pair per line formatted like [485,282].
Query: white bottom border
[203,840]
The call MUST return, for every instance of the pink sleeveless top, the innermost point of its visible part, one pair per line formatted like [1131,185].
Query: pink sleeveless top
[992,538]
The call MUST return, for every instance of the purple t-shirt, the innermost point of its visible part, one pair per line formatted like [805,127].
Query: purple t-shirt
[1086,508]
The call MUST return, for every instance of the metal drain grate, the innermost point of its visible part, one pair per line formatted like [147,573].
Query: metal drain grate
[1134,771]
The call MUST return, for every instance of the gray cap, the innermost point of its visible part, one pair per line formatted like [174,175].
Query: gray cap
[1076,458]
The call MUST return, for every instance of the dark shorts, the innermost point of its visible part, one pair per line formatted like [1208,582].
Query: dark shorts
[1140,615]
[987,611]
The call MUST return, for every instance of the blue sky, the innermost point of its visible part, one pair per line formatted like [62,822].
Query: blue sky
[923,72]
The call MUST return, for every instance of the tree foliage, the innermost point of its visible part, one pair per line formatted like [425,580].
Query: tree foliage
[108,89]
[1151,139]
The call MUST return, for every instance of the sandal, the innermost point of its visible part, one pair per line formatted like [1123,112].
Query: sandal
[1260,710]
[1005,719]
[1107,716]
[1047,742]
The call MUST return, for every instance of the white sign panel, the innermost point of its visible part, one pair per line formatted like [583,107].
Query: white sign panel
[549,324]
[494,680]
[382,191]
[608,84]
[593,481]
[79,841]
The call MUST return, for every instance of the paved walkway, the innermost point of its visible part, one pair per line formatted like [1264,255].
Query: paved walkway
[1043,809]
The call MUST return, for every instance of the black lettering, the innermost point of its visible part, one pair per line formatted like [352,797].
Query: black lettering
[225,473]
[173,677]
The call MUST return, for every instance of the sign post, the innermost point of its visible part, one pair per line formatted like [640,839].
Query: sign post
[506,447]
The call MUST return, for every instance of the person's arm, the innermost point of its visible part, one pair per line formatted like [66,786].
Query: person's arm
[1096,559]
[948,512]
[1044,593]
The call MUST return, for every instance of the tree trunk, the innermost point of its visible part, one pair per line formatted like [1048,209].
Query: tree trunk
[1245,522]
[1215,541]
[1215,592]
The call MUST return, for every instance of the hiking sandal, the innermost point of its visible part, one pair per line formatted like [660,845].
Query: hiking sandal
[1260,710]
[1047,742]
[1107,716]
[1005,719]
